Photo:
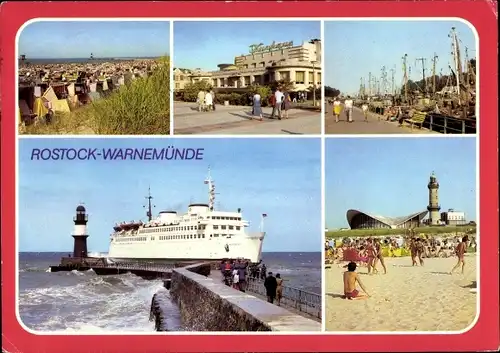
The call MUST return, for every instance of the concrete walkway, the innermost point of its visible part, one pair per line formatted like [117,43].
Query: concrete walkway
[239,120]
[372,126]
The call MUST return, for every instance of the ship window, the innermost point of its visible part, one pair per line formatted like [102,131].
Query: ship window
[217,217]
[216,235]
[203,236]
[199,236]
[223,227]
[195,227]
[216,226]
[231,227]
[210,235]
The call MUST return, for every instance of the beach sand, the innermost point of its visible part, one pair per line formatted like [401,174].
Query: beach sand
[406,298]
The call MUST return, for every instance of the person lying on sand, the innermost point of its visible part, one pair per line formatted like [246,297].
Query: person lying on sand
[350,279]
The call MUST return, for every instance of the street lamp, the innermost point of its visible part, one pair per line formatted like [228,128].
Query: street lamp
[314,82]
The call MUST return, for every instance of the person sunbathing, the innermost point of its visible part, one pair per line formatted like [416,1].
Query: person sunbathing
[350,279]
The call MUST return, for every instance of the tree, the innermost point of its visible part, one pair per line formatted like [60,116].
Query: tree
[191,90]
[284,85]
[331,92]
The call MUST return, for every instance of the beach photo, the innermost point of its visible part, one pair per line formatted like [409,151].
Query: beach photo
[400,77]
[144,235]
[401,234]
[94,78]
[247,77]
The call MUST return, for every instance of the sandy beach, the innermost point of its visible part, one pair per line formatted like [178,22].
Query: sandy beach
[406,298]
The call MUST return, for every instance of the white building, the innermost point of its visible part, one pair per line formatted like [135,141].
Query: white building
[453,218]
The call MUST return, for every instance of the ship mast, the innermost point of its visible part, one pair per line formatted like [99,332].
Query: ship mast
[393,89]
[149,212]
[211,191]
[405,76]
[434,60]
[456,57]
[370,93]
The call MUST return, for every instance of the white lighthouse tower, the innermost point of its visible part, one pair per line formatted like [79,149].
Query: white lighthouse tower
[80,232]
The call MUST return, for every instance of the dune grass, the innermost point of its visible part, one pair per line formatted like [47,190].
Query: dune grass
[140,108]
[382,232]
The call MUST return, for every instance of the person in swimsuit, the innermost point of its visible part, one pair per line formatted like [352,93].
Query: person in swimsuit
[413,251]
[420,250]
[350,280]
[379,257]
[460,251]
[279,289]
[371,254]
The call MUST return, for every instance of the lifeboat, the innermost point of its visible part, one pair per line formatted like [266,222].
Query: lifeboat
[128,226]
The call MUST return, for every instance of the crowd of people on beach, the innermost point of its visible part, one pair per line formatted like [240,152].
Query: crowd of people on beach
[236,274]
[368,252]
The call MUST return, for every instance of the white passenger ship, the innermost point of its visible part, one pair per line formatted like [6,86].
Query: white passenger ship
[200,234]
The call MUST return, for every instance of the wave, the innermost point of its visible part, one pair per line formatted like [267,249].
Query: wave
[35,269]
[94,304]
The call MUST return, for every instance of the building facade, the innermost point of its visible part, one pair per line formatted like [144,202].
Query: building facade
[361,220]
[181,78]
[300,64]
[453,218]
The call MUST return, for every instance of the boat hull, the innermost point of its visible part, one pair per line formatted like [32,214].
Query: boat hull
[206,249]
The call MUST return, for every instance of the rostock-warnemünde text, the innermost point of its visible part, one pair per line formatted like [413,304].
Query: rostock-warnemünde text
[117,154]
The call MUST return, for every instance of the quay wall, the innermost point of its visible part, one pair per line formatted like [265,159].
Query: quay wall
[206,304]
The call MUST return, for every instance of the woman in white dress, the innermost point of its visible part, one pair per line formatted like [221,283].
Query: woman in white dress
[209,101]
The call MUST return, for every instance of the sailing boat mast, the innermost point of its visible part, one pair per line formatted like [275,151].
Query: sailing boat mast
[456,57]
[434,61]
[405,76]
[467,67]
[393,89]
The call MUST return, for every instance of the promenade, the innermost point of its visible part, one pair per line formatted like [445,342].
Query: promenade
[372,126]
[239,120]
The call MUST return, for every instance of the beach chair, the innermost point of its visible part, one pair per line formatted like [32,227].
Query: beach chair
[27,115]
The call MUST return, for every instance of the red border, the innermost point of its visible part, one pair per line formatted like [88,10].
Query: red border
[484,336]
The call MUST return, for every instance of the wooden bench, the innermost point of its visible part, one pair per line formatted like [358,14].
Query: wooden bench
[418,118]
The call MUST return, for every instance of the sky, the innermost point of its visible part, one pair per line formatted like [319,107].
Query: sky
[389,176]
[355,48]
[105,39]
[204,44]
[280,177]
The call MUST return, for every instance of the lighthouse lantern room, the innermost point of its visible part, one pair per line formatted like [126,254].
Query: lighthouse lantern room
[80,232]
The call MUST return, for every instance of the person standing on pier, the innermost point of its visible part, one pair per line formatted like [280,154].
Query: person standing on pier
[348,104]
[263,271]
[271,285]
[364,107]
[337,108]
[279,289]
[242,273]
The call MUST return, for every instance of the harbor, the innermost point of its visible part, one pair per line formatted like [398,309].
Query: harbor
[431,96]
[299,310]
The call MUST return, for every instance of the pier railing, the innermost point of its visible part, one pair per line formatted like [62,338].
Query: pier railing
[294,298]
[434,121]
